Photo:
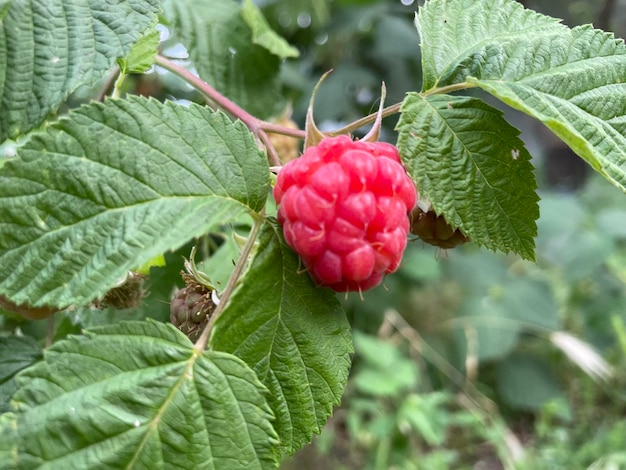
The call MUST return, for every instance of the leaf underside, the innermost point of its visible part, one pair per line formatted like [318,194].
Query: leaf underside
[77,216]
[470,163]
[572,80]
[293,334]
[48,48]
[160,405]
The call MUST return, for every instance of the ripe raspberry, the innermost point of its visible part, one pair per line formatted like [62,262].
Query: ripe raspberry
[434,230]
[344,209]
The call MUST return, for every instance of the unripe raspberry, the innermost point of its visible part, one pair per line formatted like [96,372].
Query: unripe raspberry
[191,307]
[344,209]
[434,230]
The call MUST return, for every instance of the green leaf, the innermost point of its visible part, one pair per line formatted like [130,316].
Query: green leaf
[263,34]
[526,383]
[16,353]
[572,80]
[113,186]
[459,34]
[385,371]
[221,48]
[141,56]
[48,48]
[427,414]
[512,306]
[139,395]
[4,8]
[487,332]
[471,164]
[293,334]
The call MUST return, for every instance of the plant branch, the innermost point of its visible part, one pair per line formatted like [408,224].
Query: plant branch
[283,130]
[203,340]
[353,126]
[259,127]
[211,93]
[395,108]
[447,89]
[108,83]
[269,147]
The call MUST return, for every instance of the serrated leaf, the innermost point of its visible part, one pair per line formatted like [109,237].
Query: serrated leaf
[471,164]
[16,353]
[221,48]
[141,56]
[113,186]
[138,395]
[572,80]
[456,34]
[263,34]
[48,48]
[293,334]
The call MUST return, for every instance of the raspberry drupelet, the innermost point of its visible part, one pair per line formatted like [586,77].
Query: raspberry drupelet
[344,209]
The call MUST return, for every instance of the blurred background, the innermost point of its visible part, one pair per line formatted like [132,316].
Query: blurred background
[464,358]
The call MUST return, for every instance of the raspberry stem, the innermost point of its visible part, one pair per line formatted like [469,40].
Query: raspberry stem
[260,128]
[203,340]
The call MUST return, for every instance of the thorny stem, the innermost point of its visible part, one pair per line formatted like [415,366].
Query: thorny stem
[203,340]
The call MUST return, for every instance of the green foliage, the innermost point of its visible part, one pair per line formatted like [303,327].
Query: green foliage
[536,65]
[479,178]
[221,45]
[142,54]
[48,49]
[386,371]
[162,404]
[16,354]
[262,33]
[473,345]
[158,176]
[297,339]
[526,383]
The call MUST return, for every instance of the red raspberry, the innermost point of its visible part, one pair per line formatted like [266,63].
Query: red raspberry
[344,208]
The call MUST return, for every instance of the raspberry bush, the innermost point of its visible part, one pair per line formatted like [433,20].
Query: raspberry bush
[97,181]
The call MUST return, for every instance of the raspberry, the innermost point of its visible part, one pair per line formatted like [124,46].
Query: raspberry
[191,307]
[129,293]
[434,230]
[344,209]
